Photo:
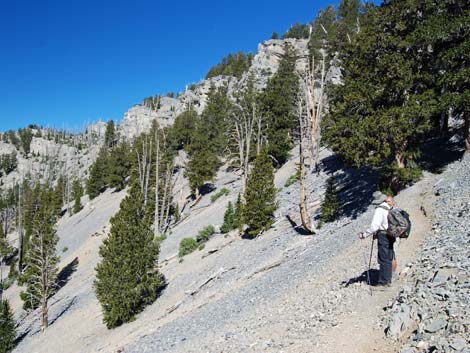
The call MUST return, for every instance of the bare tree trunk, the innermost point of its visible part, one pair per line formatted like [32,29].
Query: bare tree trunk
[467,132]
[400,159]
[303,208]
[44,313]
[168,204]
[166,195]
[20,231]
[144,163]
[157,179]
[319,112]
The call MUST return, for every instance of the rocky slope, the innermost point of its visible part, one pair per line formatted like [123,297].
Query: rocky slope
[281,292]
[434,303]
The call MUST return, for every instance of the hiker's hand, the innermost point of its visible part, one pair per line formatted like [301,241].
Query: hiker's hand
[375,236]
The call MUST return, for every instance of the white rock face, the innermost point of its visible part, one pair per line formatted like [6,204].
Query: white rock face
[62,158]
[98,129]
[270,52]
[139,119]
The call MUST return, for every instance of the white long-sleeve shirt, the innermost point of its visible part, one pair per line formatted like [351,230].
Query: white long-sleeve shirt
[380,220]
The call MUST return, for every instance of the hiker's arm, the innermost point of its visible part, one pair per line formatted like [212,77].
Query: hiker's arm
[375,225]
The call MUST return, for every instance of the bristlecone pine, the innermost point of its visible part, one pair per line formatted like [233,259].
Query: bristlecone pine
[7,328]
[260,196]
[127,278]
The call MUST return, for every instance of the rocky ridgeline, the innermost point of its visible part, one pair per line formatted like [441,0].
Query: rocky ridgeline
[433,308]
[139,118]
[48,159]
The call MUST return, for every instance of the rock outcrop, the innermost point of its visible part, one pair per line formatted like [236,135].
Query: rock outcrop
[434,305]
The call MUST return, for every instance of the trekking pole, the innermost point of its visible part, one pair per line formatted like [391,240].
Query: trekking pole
[370,260]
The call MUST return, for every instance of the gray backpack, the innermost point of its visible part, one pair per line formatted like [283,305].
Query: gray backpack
[399,224]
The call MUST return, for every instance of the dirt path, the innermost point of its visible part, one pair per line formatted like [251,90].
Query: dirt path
[359,331]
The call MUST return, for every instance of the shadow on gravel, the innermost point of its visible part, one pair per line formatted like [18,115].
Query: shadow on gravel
[21,337]
[437,153]
[207,188]
[162,286]
[64,275]
[355,186]
[299,229]
[373,275]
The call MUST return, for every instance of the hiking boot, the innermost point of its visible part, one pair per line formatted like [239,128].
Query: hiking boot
[382,286]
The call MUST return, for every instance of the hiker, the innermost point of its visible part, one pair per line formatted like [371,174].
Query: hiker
[378,229]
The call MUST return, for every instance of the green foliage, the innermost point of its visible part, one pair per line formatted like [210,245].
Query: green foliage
[153,103]
[278,107]
[260,196]
[183,129]
[297,31]
[7,328]
[118,165]
[201,168]
[177,214]
[205,234]
[110,138]
[8,163]
[229,219]
[384,109]
[331,204]
[26,136]
[41,259]
[111,168]
[127,278]
[274,35]
[232,65]
[96,180]
[220,193]
[10,136]
[208,140]
[323,29]
[77,192]
[211,128]
[238,220]
[187,246]
[292,179]
[58,194]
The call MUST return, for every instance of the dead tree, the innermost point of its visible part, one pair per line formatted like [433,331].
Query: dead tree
[246,123]
[163,185]
[315,103]
[303,118]
[42,260]
[144,163]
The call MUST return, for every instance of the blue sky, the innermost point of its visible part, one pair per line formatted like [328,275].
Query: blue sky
[64,63]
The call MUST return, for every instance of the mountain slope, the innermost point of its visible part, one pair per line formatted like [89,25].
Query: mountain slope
[281,292]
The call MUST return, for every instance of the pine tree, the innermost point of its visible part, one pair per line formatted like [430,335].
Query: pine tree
[260,196]
[110,134]
[127,278]
[201,168]
[183,129]
[379,116]
[278,107]
[77,191]
[229,220]
[41,261]
[238,221]
[440,43]
[330,206]
[7,328]
[323,30]
[98,171]
[118,165]
[58,196]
